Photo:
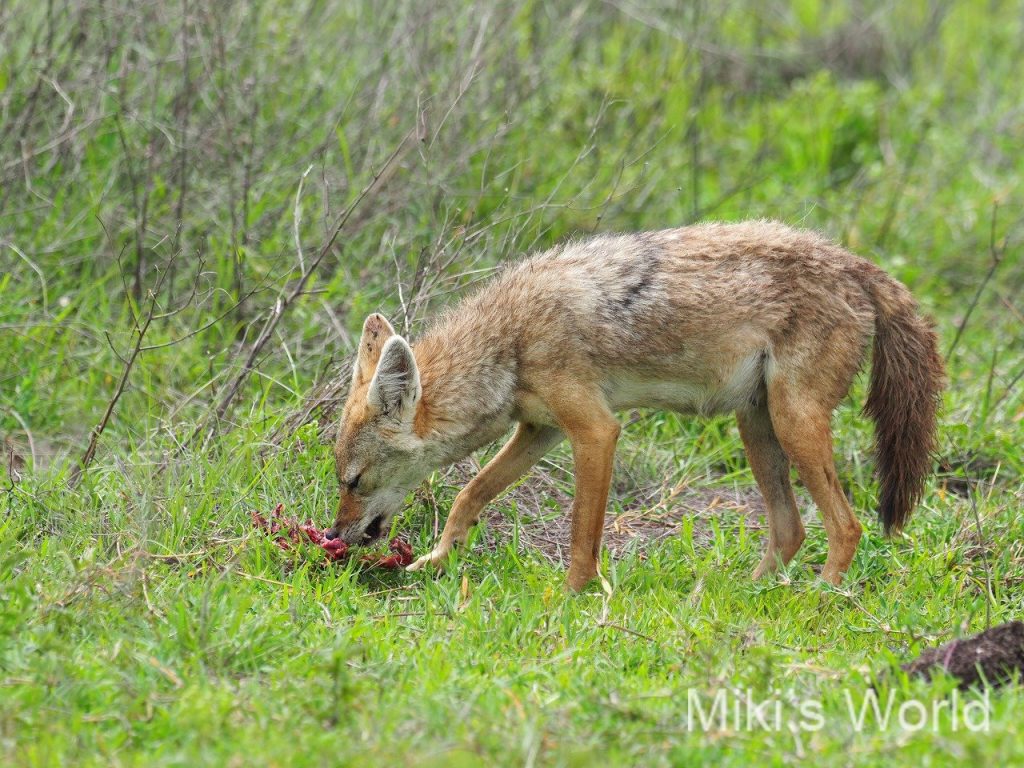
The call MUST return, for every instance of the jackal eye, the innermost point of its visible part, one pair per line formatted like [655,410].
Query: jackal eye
[354,482]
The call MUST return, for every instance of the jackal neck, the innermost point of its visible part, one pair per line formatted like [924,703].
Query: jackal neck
[468,375]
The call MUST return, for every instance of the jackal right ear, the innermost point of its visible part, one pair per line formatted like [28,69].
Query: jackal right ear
[395,387]
[376,330]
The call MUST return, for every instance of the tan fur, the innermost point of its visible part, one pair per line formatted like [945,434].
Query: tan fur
[756,318]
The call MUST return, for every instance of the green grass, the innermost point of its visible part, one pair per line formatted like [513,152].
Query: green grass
[143,621]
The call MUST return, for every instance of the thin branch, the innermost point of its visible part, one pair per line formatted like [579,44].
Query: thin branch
[297,220]
[138,208]
[129,364]
[996,257]
[184,111]
[401,294]
[201,328]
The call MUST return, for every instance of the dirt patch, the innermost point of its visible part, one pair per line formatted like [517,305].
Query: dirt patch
[637,517]
[993,656]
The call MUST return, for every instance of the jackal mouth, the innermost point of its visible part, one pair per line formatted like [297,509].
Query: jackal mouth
[375,529]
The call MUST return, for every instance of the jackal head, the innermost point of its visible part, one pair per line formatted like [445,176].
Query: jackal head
[378,457]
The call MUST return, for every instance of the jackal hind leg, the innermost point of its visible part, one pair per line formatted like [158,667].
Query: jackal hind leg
[803,430]
[770,466]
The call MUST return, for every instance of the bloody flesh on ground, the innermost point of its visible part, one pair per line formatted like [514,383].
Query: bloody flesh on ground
[286,532]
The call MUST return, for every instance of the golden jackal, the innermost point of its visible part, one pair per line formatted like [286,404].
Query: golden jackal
[756,318]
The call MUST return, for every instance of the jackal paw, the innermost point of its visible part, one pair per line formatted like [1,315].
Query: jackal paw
[434,558]
[579,577]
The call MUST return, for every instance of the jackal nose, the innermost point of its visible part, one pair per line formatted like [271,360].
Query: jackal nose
[331,534]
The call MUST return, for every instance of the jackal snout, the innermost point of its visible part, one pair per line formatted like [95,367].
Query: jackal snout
[358,533]
[360,520]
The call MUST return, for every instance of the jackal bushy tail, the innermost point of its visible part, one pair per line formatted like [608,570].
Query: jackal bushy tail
[907,377]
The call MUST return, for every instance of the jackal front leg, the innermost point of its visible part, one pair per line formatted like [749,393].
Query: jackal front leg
[526,447]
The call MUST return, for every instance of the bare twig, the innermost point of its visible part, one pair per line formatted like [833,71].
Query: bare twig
[140,206]
[200,329]
[995,259]
[297,220]
[129,364]
[693,131]
[401,295]
[1008,390]
[140,328]
[184,110]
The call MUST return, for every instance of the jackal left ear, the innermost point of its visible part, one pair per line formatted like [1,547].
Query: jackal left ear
[376,331]
[395,387]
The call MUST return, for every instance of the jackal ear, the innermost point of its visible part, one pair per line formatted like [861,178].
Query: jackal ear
[376,331]
[395,387]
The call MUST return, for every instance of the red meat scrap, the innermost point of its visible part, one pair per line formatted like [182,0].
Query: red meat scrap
[287,531]
[401,555]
